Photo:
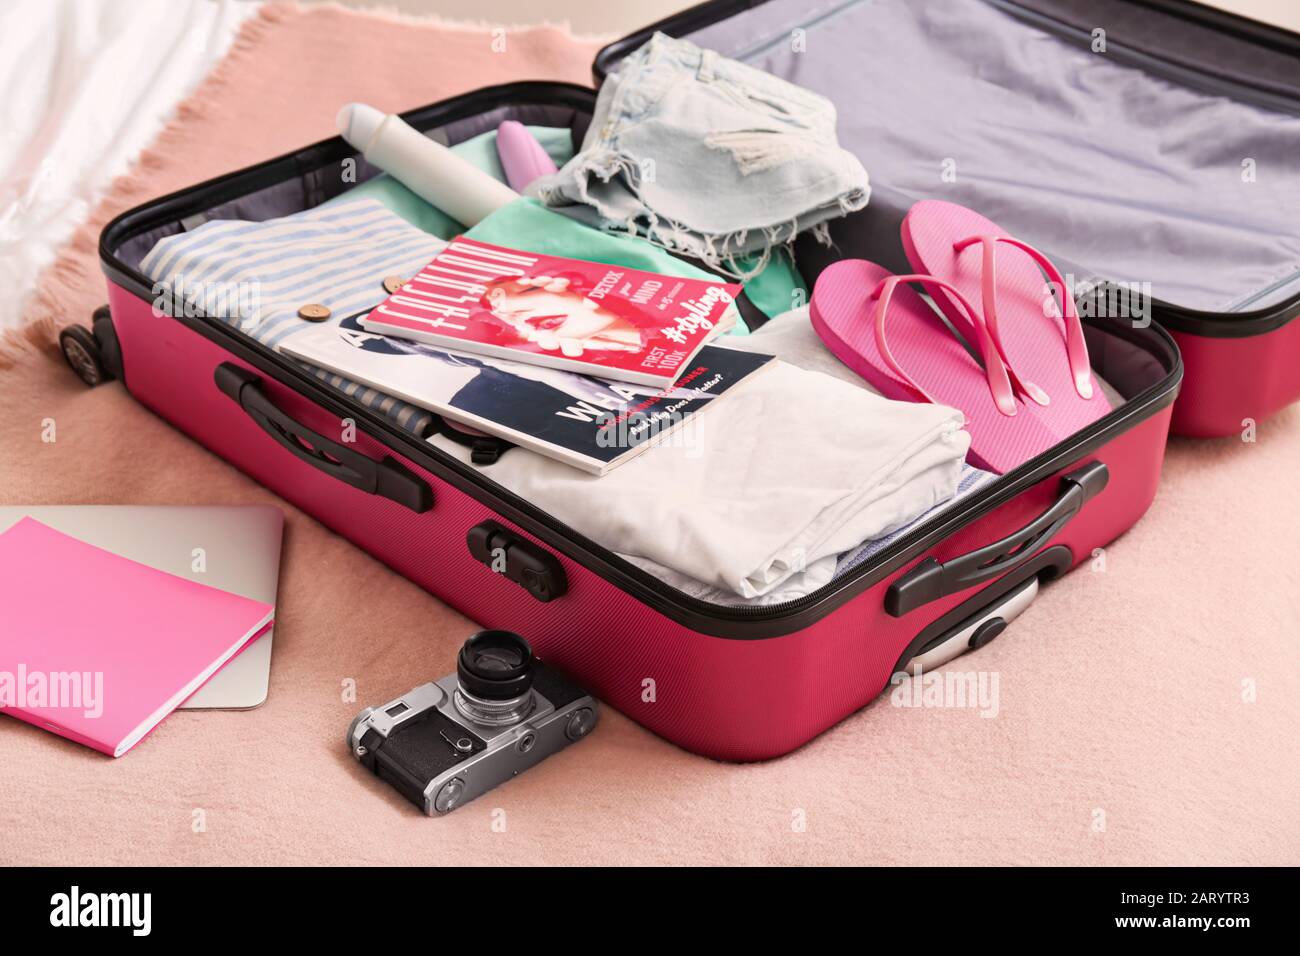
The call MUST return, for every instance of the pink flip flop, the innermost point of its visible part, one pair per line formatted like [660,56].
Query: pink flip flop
[865,314]
[1038,336]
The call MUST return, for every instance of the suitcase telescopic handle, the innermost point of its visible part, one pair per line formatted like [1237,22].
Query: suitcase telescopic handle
[931,579]
[387,478]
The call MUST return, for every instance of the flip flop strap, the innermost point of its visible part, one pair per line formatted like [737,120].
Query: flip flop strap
[1076,348]
[994,368]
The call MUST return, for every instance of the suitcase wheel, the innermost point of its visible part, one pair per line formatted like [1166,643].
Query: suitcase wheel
[82,352]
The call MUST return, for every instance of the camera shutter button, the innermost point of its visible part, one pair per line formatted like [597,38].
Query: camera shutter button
[462,745]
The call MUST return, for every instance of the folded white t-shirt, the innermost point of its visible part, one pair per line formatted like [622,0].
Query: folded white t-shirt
[791,337]
[787,471]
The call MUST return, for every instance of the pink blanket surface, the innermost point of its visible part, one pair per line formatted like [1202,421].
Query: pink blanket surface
[1148,705]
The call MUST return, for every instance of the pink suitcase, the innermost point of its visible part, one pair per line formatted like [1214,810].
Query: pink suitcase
[731,683]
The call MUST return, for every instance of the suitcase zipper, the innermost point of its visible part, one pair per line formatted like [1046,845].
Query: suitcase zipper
[1151,63]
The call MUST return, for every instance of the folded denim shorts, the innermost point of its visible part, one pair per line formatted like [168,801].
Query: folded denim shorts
[708,157]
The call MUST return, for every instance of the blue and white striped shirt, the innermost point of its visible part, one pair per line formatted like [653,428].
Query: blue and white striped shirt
[257,275]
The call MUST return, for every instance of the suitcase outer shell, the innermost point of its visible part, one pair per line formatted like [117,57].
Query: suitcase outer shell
[1228,380]
[727,698]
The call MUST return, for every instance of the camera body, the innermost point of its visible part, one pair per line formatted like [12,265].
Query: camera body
[451,740]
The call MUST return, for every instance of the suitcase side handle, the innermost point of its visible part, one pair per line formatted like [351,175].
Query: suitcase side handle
[387,478]
[931,579]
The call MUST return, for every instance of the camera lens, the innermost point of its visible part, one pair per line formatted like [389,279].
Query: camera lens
[495,666]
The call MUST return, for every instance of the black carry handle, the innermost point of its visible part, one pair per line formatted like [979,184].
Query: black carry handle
[931,580]
[387,478]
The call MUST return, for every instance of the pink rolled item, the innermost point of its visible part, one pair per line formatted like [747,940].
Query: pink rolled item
[522,157]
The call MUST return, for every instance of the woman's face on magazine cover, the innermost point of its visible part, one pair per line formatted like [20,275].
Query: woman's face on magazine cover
[542,307]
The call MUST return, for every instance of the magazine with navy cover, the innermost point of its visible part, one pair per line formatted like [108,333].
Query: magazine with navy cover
[590,423]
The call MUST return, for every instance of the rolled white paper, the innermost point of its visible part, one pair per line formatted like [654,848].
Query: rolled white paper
[428,169]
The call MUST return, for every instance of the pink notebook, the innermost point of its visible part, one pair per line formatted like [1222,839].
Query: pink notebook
[99,648]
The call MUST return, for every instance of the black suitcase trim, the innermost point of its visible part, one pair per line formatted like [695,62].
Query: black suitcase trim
[740,623]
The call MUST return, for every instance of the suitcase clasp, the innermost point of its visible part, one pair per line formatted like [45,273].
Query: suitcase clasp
[503,551]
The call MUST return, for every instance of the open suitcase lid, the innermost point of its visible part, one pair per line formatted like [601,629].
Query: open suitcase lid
[1163,157]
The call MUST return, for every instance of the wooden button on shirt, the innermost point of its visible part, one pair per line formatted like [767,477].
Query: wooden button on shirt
[393,283]
[314,312]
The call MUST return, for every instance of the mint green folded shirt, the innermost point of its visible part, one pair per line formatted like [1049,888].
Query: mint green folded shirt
[779,287]
[530,226]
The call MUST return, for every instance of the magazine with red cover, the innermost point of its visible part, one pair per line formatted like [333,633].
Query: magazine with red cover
[589,423]
[610,321]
